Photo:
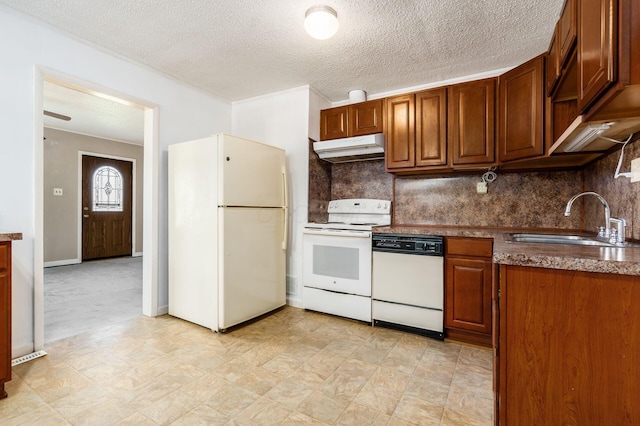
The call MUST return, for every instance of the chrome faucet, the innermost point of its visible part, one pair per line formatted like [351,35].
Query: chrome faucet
[615,236]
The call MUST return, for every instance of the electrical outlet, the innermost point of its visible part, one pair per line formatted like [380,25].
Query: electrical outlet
[635,169]
[57,192]
[481,187]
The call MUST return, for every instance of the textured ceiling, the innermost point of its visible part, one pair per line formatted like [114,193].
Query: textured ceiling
[238,49]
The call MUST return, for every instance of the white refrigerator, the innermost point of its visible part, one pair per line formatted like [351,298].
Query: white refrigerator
[228,209]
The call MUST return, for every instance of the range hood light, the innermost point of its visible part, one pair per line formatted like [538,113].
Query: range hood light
[586,136]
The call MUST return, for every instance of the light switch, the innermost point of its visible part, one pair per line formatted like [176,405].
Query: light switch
[57,192]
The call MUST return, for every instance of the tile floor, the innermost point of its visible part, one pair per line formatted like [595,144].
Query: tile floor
[292,367]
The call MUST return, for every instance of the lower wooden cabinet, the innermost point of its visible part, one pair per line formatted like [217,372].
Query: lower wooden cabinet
[5,315]
[569,348]
[468,279]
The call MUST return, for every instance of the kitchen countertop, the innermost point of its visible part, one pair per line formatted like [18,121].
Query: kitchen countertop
[10,236]
[608,260]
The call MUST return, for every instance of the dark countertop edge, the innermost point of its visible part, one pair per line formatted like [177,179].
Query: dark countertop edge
[10,236]
[551,256]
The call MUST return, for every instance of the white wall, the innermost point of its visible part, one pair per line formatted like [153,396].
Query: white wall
[282,119]
[184,113]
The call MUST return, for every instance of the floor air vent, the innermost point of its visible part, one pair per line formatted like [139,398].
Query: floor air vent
[27,358]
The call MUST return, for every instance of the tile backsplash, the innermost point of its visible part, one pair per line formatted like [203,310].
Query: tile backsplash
[622,196]
[527,199]
[533,200]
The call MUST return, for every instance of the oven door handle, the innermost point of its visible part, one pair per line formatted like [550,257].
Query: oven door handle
[361,234]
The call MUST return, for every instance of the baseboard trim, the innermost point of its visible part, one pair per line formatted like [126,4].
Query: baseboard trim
[18,351]
[162,310]
[296,302]
[62,262]
[137,254]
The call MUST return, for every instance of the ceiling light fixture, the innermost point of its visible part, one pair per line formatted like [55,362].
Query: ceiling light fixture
[321,22]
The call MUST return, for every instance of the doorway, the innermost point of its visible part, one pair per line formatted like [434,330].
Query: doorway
[107,193]
[149,234]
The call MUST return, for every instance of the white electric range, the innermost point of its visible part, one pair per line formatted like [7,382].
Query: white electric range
[336,265]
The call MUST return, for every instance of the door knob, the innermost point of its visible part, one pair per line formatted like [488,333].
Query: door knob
[85,215]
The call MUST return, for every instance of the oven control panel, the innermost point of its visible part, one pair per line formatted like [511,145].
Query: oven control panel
[409,244]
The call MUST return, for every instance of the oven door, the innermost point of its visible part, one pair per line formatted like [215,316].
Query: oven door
[337,260]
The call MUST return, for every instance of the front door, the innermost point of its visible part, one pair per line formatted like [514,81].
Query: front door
[106,207]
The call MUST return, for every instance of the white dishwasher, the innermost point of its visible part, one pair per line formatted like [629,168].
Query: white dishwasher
[408,283]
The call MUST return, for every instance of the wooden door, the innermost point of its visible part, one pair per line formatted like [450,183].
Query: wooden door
[106,207]
[472,122]
[334,123]
[431,128]
[521,111]
[597,49]
[365,118]
[400,132]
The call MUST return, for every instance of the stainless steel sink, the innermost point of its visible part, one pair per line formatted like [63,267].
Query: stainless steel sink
[577,240]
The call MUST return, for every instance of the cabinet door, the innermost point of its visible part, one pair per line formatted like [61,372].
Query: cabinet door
[468,295]
[5,315]
[400,132]
[569,345]
[521,111]
[431,128]
[566,31]
[334,123]
[553,64]
[472,122]
[597,49]
[365,118]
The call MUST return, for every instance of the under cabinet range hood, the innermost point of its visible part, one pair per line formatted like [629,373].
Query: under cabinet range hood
[358,148]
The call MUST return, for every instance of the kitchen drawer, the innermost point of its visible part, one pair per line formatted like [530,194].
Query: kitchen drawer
[476,247]
[4,255]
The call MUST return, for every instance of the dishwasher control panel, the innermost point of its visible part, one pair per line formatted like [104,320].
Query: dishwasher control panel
[409,244]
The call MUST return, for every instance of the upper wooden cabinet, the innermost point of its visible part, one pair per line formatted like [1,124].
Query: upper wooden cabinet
[416,134]
[610,77]
[521,111]
[441,129]
[597,49]
[400,151]
[431,128]
[562,48]
[553,64]
[359,119]
[567,32]
[472,123]
[334,123]
[365,118]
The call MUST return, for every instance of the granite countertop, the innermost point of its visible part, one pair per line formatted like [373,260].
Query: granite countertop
[608,260]
[10,236]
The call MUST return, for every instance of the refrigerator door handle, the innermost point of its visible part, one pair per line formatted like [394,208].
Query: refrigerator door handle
[285,211]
